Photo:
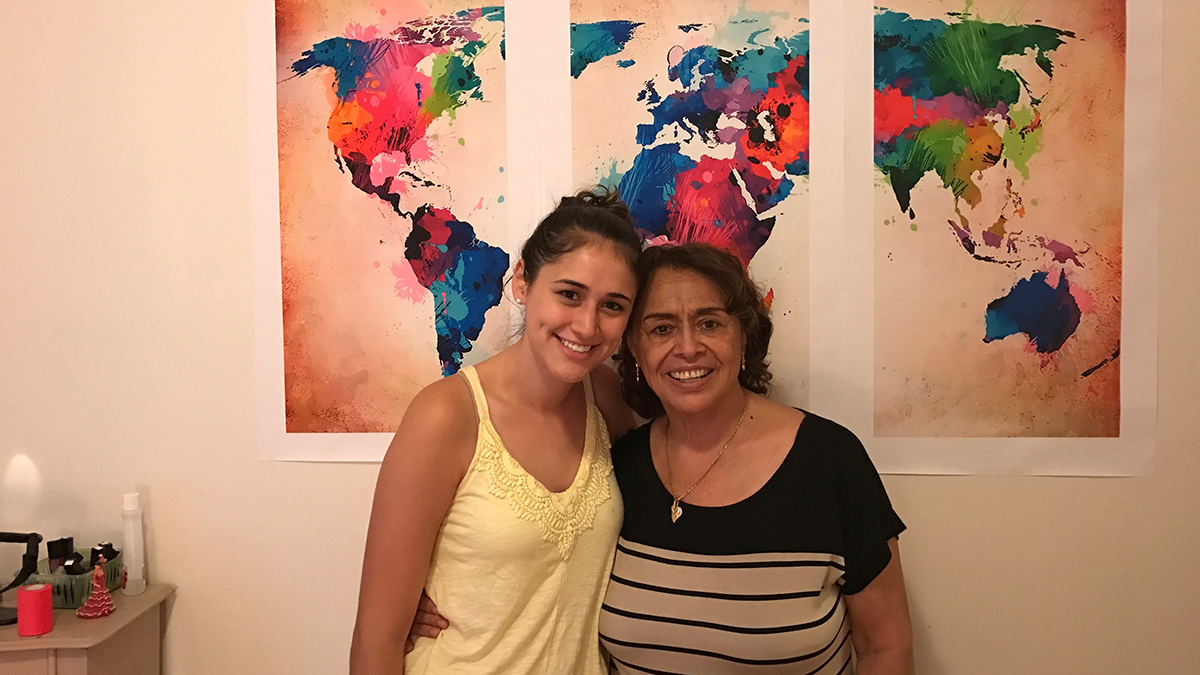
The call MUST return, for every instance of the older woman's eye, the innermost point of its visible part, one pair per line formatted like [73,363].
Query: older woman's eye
[661,329]
[710,324]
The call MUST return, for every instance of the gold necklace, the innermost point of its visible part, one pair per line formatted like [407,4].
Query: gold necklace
[676,509]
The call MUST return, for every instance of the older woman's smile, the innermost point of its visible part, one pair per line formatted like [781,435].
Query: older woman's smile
[690,375]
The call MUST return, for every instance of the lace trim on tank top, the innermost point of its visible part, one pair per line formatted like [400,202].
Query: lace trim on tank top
[561,516]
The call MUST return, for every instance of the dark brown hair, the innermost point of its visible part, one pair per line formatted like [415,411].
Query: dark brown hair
[742,300]
[580,219]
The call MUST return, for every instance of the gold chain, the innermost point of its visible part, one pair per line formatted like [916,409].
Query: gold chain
[676,509]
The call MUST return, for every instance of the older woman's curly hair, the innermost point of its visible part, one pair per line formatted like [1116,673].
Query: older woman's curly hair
[742,300]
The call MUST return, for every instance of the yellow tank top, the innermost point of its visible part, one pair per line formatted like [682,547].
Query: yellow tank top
[520,571]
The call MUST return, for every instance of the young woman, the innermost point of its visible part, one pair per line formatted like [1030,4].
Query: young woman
[497,492]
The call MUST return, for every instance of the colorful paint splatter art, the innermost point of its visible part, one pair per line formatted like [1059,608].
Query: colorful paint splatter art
[698,113]
[391,144]
[999,137]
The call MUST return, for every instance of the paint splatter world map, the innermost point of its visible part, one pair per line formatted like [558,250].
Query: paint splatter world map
[999,136]
[391,171]
[698,113]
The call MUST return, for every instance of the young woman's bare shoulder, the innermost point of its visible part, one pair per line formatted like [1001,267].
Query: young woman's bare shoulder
[439,423]
[606,385]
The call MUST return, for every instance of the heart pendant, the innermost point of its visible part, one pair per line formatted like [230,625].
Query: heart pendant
[676,511]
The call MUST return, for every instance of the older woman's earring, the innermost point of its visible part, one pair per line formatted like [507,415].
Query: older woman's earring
[637,373]
[743,360]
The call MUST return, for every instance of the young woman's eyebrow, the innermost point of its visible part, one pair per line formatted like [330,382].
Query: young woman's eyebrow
[583,287]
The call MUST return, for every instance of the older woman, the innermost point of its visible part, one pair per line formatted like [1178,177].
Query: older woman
[757,538]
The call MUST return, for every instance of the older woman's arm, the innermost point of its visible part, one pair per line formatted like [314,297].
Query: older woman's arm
[879,623]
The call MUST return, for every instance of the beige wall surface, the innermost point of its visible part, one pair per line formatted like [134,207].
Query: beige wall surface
[126,362]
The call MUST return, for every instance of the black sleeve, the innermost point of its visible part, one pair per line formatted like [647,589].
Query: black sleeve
[868,521]
[625,448]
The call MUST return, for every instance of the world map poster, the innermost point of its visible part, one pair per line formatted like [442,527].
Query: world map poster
[999,174]
[697,111]
[391,137]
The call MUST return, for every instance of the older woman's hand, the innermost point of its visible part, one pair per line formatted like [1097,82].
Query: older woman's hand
[879,622]
[426,623]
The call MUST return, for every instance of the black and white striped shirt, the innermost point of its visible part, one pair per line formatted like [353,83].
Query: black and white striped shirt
[754,587]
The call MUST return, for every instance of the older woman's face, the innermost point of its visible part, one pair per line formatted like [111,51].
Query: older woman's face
[688,347]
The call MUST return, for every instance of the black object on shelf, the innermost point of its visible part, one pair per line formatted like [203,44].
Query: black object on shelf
[58,551]
[8,615]
[104,548]
[74,565]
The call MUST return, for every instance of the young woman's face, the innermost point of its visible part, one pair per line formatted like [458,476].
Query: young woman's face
[576,308]
[688,347]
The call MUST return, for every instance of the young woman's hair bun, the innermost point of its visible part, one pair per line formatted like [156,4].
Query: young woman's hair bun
[602,197]
[597,214]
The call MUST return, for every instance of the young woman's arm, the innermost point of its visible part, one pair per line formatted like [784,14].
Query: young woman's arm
[418,478]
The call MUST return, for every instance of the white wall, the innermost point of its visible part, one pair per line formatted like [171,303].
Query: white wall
[126,362]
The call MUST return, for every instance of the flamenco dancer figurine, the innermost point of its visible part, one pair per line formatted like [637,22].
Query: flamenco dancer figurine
[100,602]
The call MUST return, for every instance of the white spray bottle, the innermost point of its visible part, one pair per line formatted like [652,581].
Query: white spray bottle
[135,546]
